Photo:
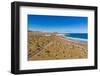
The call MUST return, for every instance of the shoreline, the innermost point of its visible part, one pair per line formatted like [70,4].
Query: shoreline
[78,40]
[75,40]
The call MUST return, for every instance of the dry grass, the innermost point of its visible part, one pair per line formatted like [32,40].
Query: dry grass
[41,47]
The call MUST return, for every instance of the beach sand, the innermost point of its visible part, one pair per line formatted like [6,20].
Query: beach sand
[52,47]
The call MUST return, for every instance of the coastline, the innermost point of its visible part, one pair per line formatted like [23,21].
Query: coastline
[74,39]
[78,40]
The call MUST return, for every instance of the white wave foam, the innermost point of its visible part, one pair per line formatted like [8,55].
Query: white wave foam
[77,39]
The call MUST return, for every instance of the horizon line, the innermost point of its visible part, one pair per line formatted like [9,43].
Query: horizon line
[55,32]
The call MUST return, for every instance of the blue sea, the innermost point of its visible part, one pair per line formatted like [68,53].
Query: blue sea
[81,37]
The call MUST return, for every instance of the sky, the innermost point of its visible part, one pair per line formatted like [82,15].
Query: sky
[60,24]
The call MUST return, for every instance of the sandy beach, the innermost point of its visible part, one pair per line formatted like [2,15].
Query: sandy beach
[49,46]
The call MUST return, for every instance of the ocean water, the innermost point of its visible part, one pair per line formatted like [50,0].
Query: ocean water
[82,37]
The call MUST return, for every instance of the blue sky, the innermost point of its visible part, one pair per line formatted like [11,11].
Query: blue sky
[61,24]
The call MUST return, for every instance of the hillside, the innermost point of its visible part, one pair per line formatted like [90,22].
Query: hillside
[46,46]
